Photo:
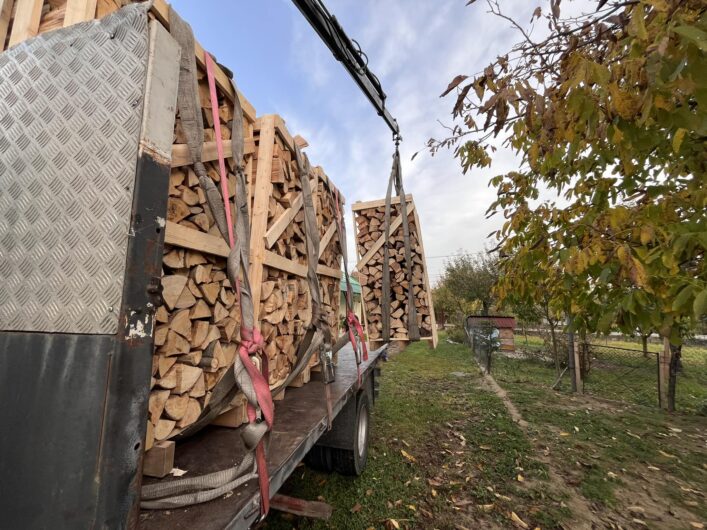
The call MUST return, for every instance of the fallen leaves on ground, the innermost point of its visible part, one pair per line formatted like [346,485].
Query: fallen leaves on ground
[407,455]
[520,523]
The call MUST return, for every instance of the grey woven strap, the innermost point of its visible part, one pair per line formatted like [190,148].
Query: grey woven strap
[344,339]
[318,330]
[385,297]
[396,179]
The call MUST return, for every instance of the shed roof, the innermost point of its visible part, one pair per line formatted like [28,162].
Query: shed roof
[355,285]
[500,321]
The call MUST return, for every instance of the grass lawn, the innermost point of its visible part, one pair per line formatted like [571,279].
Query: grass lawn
[627,461]
[446,454]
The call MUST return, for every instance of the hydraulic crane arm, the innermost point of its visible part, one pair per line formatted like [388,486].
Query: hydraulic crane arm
[349,53]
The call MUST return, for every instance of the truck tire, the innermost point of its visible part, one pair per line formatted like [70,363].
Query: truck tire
[352,461]
[319,459]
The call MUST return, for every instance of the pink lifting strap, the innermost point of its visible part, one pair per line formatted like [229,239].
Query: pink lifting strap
[219,143]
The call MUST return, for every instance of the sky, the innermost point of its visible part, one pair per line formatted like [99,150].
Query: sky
[415,47]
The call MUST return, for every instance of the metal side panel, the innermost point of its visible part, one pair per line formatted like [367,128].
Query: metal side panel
[70,116]
[74,382]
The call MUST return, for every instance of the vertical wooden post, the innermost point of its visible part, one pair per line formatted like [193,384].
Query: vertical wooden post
[5,16]
[663,374]
[79,11]
[433,320]
[28,14]
[578,367]
[261,199]
[572,355]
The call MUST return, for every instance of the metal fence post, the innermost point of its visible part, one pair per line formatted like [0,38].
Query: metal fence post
[663,374]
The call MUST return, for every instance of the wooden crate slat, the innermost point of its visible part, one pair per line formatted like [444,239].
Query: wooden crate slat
[5,16]
[79,11]
[324,243]
[25,25]
[182,157]
[261,197]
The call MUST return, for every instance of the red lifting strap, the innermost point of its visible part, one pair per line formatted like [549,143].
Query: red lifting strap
[352,322]
[219,143]
[251,339]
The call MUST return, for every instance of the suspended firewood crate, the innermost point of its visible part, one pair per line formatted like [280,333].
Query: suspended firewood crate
[369,220]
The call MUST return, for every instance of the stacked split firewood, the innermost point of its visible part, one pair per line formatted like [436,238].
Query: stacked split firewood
[330,254]
[370,234]
[197,329]
[286,306]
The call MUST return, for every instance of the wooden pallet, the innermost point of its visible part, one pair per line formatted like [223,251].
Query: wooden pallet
[370,237]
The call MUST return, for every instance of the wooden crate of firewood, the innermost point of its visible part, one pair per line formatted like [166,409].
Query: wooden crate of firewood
[200,319]
[197,325]
[369,219]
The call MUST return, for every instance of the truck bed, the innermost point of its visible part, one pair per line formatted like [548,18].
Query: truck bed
[300,419]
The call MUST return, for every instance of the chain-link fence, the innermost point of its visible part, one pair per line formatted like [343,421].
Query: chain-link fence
[692,378]
[484,341]
[620,373]
[616,368]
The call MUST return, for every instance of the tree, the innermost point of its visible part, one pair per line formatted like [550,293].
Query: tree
[448,304]
[472,277]
[608,110]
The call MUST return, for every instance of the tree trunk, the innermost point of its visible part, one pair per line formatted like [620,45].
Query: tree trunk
[675,353]
[555,353]
[644,343]
[584,354]
[485,305]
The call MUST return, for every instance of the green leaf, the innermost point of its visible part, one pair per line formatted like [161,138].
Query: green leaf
[694,35]
[700,304]
[637,25]
[682,298]
[605,321]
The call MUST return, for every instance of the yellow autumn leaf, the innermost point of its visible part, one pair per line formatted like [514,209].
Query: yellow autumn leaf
[638,273]
[661,103]
[647,234]
[518,521]
[618,135]
[678,138]
[407,455]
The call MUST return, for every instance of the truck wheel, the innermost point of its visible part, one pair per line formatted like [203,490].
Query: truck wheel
[319,459]
[352,462]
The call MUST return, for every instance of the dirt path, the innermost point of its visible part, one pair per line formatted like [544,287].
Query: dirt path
[582,514]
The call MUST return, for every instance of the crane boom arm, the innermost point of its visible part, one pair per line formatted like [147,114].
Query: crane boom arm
[349,54]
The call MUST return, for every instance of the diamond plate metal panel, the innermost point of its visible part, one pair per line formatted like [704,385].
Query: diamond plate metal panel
[70,115]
